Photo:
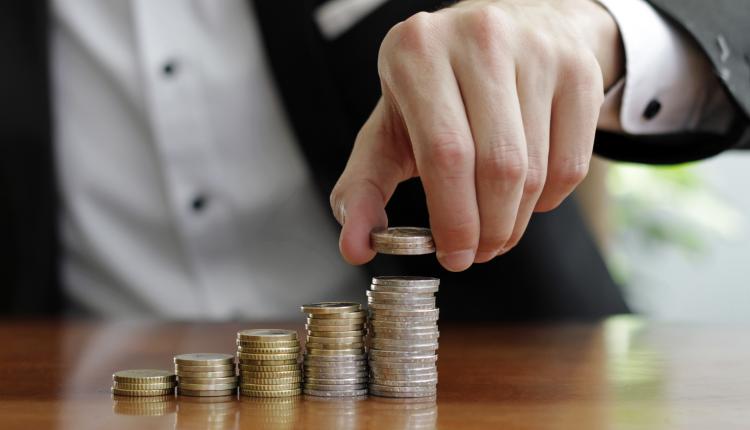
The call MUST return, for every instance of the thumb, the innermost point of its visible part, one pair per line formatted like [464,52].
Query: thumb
[375,168]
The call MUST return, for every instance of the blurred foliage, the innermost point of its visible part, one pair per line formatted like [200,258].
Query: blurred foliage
[665,207]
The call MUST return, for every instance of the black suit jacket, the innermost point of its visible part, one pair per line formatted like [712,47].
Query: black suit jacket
[329,88]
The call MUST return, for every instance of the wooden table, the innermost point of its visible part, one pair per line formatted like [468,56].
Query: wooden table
[621,373]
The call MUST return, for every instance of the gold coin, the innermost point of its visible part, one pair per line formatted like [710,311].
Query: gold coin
[349,333]
[206,374]
[279,362]
[123,392]
[266,375]
[271,381]
[246,356]
[316,345]
[206,393]
[217,368]
[289,350]
[335,321]
[225,380]
[283,393]
[141,387]
[331,307]
[271,344]
[136,376]
[274,368]
[207,387]
[344,315]
[274,387]
[266,335]
[203,359]
[336,328]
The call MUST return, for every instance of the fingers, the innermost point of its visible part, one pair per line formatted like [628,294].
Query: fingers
[575,111]
[429,99]
[380,159]
[496,123]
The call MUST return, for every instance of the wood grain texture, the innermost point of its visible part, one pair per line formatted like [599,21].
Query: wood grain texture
[621,373]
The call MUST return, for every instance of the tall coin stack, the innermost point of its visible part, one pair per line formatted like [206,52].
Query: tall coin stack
[403,336]
[143,383]
[205,374]
[269,363]
[335,359]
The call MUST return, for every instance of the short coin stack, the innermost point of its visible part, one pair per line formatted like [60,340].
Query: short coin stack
[205,374]
[269,363]
[403,336]
[335,360]
[143,382]
[403,241]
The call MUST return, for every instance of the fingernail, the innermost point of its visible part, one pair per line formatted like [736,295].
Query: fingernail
[485,256]
[456,261]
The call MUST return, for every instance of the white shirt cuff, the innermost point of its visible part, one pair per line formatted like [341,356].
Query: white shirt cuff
[669,84]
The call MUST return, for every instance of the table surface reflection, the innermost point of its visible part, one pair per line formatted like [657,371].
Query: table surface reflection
[620,373]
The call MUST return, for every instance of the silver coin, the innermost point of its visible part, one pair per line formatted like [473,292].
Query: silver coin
[347,328]
[399,344]
[390,361]
[400,289]
[377,316]
[416,338]
[350,393]
[335,322]
[390,389]
[335,364]
[403,294]
[416,348]
[413,326]
[337,387]
[337,373]
[336,381]
[330,307]
[395,373]
[401,235]
[334,334]
[405,357]
[402,302]
[401,306]
[415,382]
[406,281]
[332,340]
[345,359]
[343,315]
[334,346]
[404,251]
[416,313]
[426,393]
[405,366]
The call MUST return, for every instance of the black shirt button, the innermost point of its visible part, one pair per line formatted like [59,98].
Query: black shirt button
[652,108]
[169,68]
[199,203]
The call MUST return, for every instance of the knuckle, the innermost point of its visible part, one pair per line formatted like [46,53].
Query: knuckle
[534,183]
[505,162]
[569,173]
[487,27]
[414,35]
[448,151]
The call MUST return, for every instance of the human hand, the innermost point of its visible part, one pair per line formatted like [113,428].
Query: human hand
[494,105]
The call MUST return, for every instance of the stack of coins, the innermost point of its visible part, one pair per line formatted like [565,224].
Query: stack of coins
[205,374]
[269,363]
[403,241]
[335,359]
[403,336]
[143,382]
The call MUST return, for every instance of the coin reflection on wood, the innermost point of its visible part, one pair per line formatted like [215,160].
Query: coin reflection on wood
[335,361]
[402,241]
[269,363]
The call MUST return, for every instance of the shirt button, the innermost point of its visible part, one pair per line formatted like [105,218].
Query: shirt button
[169,68]
[652,108]
[199,203]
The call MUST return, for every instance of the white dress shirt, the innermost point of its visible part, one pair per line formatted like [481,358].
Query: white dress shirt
[184,194]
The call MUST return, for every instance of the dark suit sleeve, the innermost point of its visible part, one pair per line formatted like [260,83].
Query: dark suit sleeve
[721,29]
